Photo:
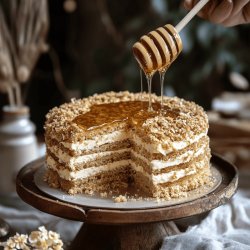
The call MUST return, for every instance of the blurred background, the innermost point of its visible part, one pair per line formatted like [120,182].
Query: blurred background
[75,48]
[90,52]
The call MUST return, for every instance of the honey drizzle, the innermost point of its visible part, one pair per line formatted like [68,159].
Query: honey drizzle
[162,76]
[131,112]
[149,81]
[141,84]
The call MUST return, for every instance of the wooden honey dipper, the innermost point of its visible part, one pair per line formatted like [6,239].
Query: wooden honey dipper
[159,48]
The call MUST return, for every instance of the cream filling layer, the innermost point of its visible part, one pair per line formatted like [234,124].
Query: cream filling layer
[155,164]
[85,173]
[166,147]
[97,141]
[70,161]
[180,159]
[163,148]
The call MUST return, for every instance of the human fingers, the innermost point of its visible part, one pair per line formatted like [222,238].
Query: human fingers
[216,11]
[205,11]
[241,17]
[239,5]
[220,12]
[188,4]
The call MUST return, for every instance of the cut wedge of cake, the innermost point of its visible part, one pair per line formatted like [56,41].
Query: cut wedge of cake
[110,141]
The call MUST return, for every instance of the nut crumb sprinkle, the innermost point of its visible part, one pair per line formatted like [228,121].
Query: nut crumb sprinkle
[191,119]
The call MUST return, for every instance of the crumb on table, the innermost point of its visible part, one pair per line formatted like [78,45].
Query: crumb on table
[120,198]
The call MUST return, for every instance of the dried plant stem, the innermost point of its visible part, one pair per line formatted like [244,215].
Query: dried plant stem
[10,95]
[18,94]
[23,29]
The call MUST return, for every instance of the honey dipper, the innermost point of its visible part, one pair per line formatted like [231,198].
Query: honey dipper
[159,48]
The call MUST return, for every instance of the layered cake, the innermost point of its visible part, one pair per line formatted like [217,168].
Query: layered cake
[111,141]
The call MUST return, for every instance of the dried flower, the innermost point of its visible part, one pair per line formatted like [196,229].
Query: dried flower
[18,241]
[44,239]
[41,239]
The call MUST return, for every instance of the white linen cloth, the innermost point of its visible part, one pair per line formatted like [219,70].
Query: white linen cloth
[24,219]
[226,227]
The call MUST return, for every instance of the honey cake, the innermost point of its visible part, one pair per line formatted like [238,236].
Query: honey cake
[109,141]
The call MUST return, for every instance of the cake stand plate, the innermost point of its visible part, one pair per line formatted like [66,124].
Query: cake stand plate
[96,201]
[131,228]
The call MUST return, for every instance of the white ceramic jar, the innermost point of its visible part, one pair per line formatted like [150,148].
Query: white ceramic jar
[18,145]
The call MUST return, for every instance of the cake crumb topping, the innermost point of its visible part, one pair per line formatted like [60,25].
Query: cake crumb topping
[190,121]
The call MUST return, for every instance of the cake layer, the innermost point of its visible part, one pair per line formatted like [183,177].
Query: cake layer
[165,147]
[88,145]
[162,177]
[99,143]
[104,182]
[84,173]
[85,161]
[106,158]
[105,147]
[156,162]
[148,169]
[120,178]
[176,189]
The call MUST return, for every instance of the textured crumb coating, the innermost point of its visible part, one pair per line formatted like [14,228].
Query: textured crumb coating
[191,121]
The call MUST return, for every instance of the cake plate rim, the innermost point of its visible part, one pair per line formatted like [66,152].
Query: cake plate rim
[29,192]
[96,201]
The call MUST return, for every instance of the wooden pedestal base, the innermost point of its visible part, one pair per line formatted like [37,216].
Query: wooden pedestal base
[146,236]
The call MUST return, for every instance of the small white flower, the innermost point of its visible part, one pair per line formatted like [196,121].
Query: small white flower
[38,240]
[18,241]
[53,238]
[42,239]
[43,230]
[34,236]
[57,247]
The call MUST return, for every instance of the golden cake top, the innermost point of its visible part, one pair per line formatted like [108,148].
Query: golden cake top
[77,120]
[135,113]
